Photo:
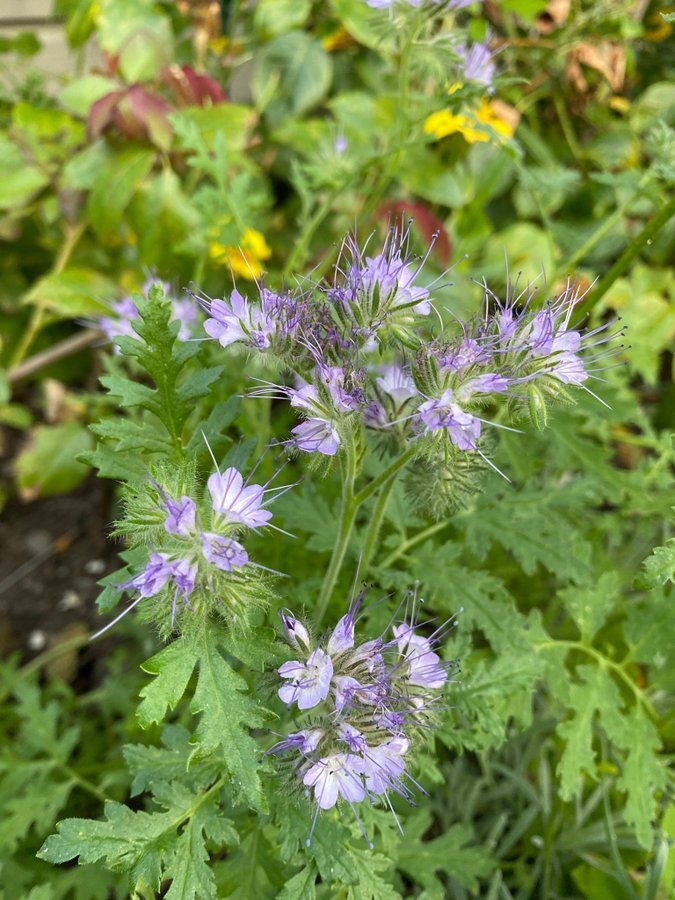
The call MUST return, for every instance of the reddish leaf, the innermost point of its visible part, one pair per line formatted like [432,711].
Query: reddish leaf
[190,88]
[101,113]
[148,112]
[428,224]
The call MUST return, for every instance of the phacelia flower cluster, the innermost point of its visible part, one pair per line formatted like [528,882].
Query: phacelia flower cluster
[119,322]
[372,349]
[365,705]
[196,556]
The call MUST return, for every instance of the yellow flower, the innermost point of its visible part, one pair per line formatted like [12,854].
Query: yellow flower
[442,123]
[475,125]
[494,116]
[455,86]
[246,260]
[339,39]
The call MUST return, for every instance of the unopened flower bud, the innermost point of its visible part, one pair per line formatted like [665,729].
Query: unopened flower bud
[296,633]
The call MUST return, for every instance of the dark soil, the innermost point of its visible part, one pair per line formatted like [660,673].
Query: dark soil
[52,553]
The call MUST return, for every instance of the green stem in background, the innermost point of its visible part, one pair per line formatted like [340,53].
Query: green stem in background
[299,254]
[568,131]
[375,524]
[351,502]
[602,231]
[73,235]
[649,231]
[605,663]
[383,477]
[348,510]
[411,542]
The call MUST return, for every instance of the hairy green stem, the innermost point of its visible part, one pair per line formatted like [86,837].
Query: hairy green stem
[602,231]
[632,250]
[383,477]
[376,520]
[418,538]
[348,510]
[299,253]
[351,502]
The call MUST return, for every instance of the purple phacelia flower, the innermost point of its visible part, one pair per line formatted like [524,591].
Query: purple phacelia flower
[305,742]
[296,633]
[180,515]
[463,428]
[235,502]
[367,700]
[477,63]
[422,666]
[336,776]
[224,553]
[384,765]
[316,435]
[308,682]
[469,352]
[123,313]
[397,384]
[238,320]
[154,576]
[333,377]
[394,279]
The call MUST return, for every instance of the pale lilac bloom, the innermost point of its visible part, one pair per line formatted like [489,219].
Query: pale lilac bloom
[304,397]
[305,742]
[336,776]
[342,637]
[369,652]
[462,427]
[181,514]
[423,667]
[236,502]
[224,553]
[184,575]
[238,320]
[468,353]
[119,323]
[374,415]
[346,689]
[352,737]
[157,572]
[309,682]
[396,282]
[568,368]
[334,379]
[489,383]
[478,63]
[384,765]
[316,435]
[184,312]
[397,383]
[341,144]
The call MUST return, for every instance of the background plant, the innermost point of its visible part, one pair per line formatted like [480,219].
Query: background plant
[564,708]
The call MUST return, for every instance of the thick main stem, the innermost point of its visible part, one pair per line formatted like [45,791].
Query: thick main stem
[351,502]
[376,521]
[349,508]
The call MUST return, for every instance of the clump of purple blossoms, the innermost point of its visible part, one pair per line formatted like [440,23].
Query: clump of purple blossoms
[371,349]
[123,313]
[366,704]
[195,548]
[268,322]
